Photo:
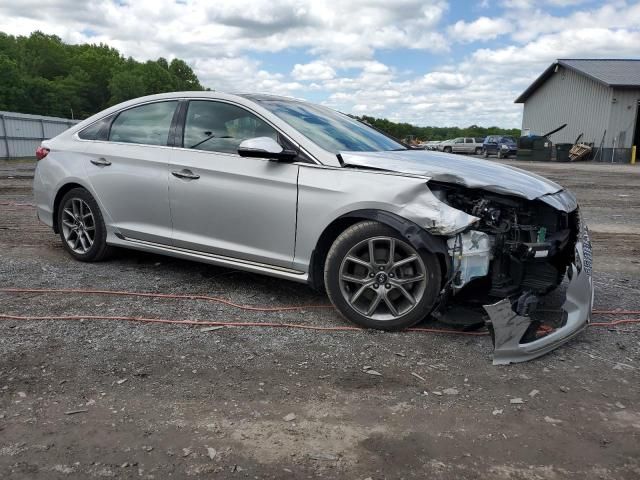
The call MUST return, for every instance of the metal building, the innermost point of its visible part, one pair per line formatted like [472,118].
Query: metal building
[598,98]
[20,133]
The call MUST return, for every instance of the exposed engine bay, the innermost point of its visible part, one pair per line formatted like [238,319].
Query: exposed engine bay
[517,246]
[518,252]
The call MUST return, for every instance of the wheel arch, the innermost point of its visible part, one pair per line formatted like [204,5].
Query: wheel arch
[413,233]
[62,191]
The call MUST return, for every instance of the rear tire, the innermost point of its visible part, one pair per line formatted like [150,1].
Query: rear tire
[394,290]
[478,150]
[81,225]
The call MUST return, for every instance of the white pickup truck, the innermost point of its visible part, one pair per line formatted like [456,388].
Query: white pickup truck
[462,145]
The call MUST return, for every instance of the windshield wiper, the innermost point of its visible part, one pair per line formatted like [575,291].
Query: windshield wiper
[207,139]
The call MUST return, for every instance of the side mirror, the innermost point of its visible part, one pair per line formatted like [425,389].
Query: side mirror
[265,147]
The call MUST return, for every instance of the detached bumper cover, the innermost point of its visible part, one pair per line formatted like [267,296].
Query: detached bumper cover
[509,327]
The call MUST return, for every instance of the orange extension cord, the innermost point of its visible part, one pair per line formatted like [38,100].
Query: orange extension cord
[242,307]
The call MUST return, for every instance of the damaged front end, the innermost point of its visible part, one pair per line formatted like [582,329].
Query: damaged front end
[527,263]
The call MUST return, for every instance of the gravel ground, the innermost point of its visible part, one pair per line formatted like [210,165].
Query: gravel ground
[172,401]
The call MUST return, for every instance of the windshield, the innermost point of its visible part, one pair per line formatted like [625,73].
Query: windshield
[508,140]
[330,130]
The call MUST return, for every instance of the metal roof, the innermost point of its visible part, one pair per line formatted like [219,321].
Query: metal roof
[619,73]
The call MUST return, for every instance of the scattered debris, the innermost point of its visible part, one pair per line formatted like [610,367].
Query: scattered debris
[400,354]
[211,329]
[22,395]
[552,421]
[497,411]
[450,391]
[373,372]
[147,448]
[564,389]
[516,401]
[619,405]
[323,456]
[534,392]
[289,417]
[437,393]
[211,453]
[186,452]
[418,376]
[121,381]
[73,412]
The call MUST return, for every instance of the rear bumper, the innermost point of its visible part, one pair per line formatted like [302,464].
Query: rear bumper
[42,197]
[509,327]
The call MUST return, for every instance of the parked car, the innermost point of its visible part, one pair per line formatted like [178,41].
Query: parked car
[295,190]
[461,145]
[500,145]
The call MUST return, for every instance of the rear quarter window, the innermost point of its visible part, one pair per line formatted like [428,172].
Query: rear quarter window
[97,131]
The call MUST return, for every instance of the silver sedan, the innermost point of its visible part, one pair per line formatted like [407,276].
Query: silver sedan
[298,191]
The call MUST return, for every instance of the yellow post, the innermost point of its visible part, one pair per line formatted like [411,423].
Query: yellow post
[633,155]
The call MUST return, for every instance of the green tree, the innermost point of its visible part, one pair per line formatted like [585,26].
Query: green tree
[41,74]
[184,75]
[125,85]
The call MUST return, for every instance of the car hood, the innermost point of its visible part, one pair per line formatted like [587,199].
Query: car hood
[455,169]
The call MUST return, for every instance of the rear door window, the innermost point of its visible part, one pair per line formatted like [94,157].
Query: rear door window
[147,124]
[221,127]
[468,140]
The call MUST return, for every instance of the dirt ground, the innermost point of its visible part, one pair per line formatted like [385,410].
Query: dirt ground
[172,401]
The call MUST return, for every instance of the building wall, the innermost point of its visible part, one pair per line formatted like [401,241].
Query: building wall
[21,134]
[622,119]
[568,97]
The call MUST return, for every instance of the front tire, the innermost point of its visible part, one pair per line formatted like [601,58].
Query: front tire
[448,150]
[82,227]
[376,279]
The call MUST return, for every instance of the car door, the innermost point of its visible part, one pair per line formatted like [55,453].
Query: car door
[225,204]
[458,145]
[469,145]
[128,168]
[491,145]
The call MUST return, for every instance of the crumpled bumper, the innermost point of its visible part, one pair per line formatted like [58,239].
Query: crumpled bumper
[509,327]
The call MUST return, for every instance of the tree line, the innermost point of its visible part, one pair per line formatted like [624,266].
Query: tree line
[42,75]
[406,131]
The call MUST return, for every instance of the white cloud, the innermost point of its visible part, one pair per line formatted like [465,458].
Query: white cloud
[576,43]
[446,80]
[484,28]
[318,70]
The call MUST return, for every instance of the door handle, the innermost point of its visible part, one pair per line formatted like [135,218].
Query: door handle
[101,162]
[188,174]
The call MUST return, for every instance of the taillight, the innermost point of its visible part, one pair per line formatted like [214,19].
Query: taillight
[41,152]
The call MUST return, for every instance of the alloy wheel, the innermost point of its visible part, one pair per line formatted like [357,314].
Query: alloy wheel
[382,278]
[78,225]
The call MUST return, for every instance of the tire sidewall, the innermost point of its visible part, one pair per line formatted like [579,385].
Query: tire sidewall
[99,248]
[343,244]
